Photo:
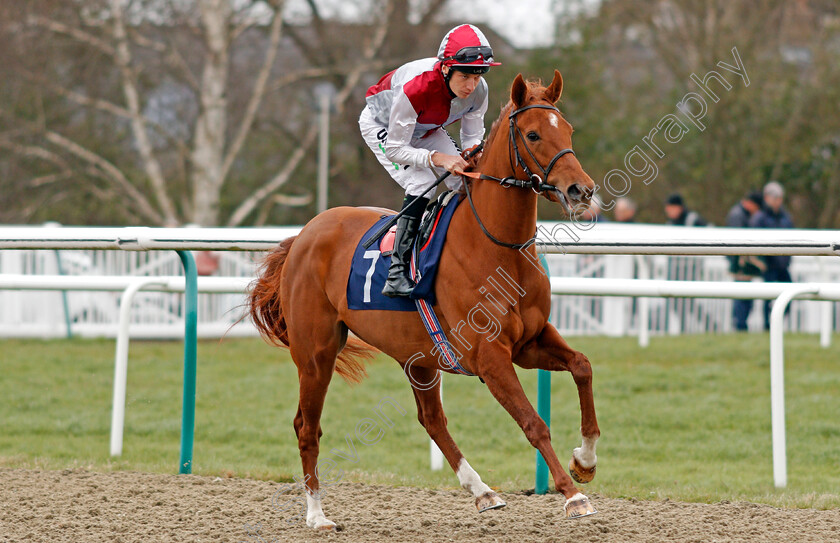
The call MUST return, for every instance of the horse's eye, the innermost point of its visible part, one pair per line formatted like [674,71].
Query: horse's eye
[533,136]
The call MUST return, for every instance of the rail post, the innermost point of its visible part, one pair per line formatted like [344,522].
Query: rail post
[190,340]
[544,411]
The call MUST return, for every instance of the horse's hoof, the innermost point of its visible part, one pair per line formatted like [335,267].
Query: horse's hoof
[578,506]
[579,473]
[489,500]
[322,525]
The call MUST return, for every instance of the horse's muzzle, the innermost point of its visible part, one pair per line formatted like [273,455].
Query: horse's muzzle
[578,193]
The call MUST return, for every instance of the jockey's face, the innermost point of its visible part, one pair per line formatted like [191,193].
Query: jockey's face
[461,84]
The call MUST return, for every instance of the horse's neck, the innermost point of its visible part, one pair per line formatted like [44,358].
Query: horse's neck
[509,214]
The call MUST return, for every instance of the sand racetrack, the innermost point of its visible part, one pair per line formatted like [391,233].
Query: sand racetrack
[80,506]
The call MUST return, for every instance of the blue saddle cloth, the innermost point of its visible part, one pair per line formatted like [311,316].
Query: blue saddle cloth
[369,269]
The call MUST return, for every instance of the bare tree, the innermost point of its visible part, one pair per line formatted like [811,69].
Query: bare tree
[171,111]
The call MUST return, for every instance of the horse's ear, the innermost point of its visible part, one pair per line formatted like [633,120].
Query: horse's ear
[518,92]
[555,89]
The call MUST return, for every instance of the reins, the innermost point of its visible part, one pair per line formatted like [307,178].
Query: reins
[533,182]
[487,233]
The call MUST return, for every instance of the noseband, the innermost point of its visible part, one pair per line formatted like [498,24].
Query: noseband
[534,181]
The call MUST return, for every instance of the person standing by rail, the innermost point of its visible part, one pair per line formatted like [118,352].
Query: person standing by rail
[744,268]
[773,215]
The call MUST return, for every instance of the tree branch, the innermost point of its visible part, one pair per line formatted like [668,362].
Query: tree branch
[434,8]
[256,95]
[279,179]
[102,105]
[314,73]
[36,152]
[248,205]
[148,43]
[373,47]
[311,54]
[321,32]
[113,174]
[177,61]
[138,125]
[73,32]
[79,98]
[48,199]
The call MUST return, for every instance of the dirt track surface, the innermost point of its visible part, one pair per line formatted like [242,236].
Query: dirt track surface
[79,506]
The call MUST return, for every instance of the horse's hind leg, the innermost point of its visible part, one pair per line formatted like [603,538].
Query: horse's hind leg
[314,354]
[431,416]
[551,352]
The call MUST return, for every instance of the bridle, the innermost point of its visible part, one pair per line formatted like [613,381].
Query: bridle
[533,181]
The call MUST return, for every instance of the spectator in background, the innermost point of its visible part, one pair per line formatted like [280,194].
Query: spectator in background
[625,210]
[682,268]
[679,215]
[773,215]
[744,268]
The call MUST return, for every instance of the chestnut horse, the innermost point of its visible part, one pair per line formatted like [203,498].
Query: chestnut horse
[299,300]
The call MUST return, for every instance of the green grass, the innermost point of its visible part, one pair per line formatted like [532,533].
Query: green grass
[687,418]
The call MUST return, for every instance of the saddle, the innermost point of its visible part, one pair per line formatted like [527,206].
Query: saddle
[369,268]
[427,224]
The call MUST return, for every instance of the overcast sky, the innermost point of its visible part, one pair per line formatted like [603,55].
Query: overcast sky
[525,23]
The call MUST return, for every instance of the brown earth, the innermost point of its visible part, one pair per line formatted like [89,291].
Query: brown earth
[79,506]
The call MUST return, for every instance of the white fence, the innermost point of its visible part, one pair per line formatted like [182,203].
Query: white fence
[618,240]
[158,314]
[619,316]
[96,314]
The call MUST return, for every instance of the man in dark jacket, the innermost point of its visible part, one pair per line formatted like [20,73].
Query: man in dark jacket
[744,268]
[773,215]
[679,215]
[681,268]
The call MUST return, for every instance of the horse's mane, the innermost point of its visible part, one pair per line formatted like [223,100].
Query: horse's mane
[494,128]
[536,90]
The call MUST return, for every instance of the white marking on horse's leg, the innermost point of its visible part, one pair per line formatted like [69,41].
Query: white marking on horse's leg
[585,454]
[470,480]
[314,515]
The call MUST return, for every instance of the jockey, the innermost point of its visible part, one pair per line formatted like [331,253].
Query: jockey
[403,126]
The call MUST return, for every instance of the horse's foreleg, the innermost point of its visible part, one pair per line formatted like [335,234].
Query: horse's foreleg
[500,377]
[431,416]
[551,352]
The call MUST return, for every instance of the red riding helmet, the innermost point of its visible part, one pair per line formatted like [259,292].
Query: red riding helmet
[466,48]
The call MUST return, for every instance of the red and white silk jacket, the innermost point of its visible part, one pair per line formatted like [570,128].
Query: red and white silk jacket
[414,100]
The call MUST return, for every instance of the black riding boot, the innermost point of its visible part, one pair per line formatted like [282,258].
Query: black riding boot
[399,282]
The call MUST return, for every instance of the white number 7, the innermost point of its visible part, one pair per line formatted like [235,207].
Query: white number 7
[373,256]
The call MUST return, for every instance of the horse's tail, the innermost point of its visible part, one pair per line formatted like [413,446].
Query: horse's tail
[266,305]
[267,315]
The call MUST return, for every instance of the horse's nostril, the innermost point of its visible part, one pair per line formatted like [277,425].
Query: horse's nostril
[575,192]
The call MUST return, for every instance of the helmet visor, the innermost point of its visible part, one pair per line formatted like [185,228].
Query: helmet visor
[469,55]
